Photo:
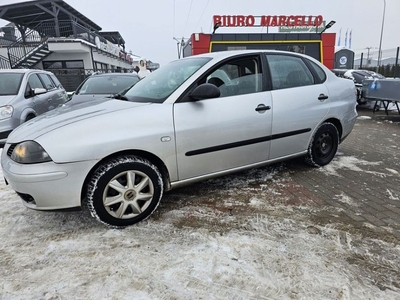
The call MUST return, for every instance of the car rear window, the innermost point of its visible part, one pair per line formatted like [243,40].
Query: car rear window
[10,83]
[107,84]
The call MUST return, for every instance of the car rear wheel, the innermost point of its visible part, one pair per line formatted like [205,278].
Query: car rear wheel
[323,146]
[124,190]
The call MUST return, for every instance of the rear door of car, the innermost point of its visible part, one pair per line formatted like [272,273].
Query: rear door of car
[231,131]
[300,101]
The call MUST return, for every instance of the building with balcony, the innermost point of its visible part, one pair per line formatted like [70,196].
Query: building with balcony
[52,35]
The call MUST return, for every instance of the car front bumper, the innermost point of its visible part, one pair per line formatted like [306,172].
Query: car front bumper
[47,186]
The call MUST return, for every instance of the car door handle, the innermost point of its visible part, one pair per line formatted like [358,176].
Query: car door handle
[322,97]
[262,107]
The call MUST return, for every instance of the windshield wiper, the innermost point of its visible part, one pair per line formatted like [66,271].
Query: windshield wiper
[119,97]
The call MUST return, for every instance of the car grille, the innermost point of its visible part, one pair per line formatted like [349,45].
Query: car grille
[10,150]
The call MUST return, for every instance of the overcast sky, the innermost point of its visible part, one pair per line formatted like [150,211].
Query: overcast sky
[149,26]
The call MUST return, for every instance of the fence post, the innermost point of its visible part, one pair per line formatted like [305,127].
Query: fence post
[396,63]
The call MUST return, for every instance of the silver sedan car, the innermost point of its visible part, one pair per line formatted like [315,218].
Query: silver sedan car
[193,119]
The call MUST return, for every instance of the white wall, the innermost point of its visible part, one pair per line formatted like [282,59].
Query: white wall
[77,51]
[109,60]
[57,56]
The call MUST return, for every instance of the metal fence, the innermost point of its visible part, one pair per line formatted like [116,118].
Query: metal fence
[389,65]
[4,63]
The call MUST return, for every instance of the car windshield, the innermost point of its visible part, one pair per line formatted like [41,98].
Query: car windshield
[10,83]
[159,85]
[111,84]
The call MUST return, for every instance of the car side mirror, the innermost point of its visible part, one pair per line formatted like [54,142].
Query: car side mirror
[39,91]
[205,91]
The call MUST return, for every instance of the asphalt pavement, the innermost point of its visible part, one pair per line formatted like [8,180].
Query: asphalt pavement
[365,174]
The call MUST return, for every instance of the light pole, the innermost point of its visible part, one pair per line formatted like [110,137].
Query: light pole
[380,43]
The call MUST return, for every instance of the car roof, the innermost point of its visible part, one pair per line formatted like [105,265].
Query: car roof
[230,53]
[24,71]
[114,74]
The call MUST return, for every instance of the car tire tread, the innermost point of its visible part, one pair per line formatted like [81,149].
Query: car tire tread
[96,186]
[311,158]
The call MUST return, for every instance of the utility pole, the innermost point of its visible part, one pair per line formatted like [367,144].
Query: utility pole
[380,42]
[368,56]
[180,43]
[368,48]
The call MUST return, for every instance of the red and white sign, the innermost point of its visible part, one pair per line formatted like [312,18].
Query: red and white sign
[267,21]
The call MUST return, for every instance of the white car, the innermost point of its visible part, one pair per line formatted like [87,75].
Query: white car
[193,119]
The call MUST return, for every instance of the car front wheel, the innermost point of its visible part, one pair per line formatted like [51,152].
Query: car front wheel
[323,146]
[124,190]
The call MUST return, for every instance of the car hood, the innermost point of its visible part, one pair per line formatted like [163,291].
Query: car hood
[67,114]
[82,98]
[4,100]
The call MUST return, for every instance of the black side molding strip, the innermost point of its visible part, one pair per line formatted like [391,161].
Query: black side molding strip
[246,142]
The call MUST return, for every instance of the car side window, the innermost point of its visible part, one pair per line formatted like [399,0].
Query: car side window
[318,71]
[35,82]
[48,83]
[288,71]
[237,77]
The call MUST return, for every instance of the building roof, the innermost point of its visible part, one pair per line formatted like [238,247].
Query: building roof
[32,13]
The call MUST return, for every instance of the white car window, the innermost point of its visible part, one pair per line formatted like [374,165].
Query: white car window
[10,83]
[237,77]
[160,84]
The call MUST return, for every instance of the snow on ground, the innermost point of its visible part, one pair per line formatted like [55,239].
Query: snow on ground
[346,199]
[364,118]
[191,250]
[350,163]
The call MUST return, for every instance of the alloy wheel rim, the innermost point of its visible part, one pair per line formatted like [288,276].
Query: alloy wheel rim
[128,194]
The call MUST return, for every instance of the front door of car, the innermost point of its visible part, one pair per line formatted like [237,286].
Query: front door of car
[40,102]
[300,103]
[227,132]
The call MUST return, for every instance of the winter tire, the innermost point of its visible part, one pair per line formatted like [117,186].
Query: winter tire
[323,145]
[124,190]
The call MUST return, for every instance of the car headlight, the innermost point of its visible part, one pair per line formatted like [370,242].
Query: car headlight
[29,152]
[6,112]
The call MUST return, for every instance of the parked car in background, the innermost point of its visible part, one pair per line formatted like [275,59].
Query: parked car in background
[358,76]
[103,85]
[193,119]
[25,94]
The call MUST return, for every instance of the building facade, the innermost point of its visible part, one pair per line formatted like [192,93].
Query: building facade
[52,35]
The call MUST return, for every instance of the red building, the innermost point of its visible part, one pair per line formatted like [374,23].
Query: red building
[317,45]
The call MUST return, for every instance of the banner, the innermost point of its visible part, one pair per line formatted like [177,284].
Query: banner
[313,29]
